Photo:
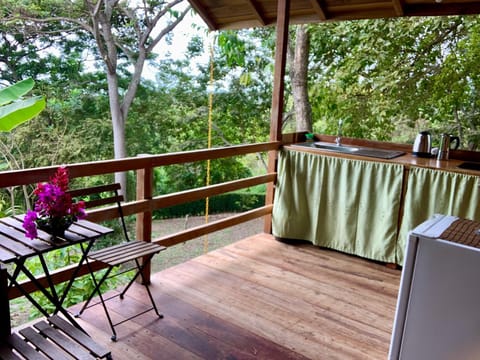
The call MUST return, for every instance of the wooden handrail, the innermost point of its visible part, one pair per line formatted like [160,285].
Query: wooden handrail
[204,229]
[143,206]
[182,197]
[64,274]
[32,176]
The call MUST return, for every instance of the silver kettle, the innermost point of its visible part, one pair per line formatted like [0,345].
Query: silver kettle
[422,147]
[446,141]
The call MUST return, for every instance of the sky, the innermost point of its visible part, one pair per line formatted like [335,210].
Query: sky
[179,42]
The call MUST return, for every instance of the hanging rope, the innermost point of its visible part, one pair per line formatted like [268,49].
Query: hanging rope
[210,111]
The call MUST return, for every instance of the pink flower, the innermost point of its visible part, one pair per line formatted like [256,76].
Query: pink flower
[54,205]
[30,225]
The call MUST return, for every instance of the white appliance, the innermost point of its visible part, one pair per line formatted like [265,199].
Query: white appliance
[438,308]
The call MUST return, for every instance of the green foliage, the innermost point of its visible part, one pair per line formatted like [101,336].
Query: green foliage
[388,79]
[231,202]
[14,110]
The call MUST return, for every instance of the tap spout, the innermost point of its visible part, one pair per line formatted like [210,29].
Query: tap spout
[338,139]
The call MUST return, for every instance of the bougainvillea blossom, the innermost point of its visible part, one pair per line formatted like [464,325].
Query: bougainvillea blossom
[54,205]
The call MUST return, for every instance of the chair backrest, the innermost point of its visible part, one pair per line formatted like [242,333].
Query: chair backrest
[102,195]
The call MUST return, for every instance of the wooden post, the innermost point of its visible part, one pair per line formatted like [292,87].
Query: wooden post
[283,18]
[5,326]
[144,219]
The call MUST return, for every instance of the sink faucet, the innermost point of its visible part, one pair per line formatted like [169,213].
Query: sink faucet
[338,139]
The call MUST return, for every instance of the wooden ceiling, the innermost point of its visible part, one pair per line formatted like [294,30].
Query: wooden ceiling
[236,14]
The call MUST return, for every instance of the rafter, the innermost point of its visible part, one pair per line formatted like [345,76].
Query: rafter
[238,14]
[317,6]
[397,6]
[202,11]
[257,12]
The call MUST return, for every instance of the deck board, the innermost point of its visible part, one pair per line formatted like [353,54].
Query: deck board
[259,299]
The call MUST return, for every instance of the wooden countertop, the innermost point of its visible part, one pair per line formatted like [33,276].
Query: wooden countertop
[457,157]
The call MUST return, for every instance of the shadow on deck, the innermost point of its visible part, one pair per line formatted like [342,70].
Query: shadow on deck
[259,299]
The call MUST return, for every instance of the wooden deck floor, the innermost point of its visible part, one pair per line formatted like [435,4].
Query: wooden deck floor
[259,299]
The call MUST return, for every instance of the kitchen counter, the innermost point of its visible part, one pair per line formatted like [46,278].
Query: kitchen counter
[408,160]
[366,206]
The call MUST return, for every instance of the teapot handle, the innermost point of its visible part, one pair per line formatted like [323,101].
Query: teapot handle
[454,140]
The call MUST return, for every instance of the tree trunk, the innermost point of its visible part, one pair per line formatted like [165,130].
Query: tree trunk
[298,66]
[118,124]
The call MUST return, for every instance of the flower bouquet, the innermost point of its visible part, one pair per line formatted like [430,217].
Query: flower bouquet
[54,209]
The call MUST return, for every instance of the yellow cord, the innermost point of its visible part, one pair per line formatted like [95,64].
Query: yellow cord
[210,111]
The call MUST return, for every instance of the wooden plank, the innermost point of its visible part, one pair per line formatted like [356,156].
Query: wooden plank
[64,342]
[100,229]
[119,254]
[279,71]
[15,342]
[143,226]
[319,9]
[201,10]
[44,345]
[348,337]
[95,190]
[198,231]
[257,12]
[32,176]
[79,336]
[397,5]
[276,117]
[194,330]
[273,311]
[259,297]
[187,196]
[134,339]
[315,290]
[18,248]
[6,255]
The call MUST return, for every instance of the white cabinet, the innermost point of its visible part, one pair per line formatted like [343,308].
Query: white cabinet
[438,306]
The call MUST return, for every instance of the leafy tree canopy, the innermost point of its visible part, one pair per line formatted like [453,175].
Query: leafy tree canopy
[389,79]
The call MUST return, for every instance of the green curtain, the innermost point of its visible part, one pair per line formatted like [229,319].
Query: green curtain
[347,205]
[432,192]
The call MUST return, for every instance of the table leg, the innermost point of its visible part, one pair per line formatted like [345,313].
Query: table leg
[77,269]
[5,325]
[52,297]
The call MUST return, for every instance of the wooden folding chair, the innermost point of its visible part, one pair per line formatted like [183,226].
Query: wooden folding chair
[138,252]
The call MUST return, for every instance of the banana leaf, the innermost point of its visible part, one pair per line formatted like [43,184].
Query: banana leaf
[15,91]
[14,110]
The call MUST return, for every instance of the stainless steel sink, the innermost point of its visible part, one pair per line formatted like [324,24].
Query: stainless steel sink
[470,166]
[354,150]
[336,148]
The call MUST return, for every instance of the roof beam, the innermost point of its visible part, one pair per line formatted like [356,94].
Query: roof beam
[283,20]
[256,11]
[204,14]
[319,9]
[397,6]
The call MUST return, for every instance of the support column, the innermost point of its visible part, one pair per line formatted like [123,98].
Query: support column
[283,19]
[144,219]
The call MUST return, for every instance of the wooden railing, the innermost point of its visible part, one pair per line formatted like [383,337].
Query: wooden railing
[145,201]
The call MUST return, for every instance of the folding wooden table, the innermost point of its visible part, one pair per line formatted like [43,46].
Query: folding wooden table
[16,248]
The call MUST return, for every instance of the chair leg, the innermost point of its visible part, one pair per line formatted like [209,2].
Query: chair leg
[95,290]
[102,301]
[140,271]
